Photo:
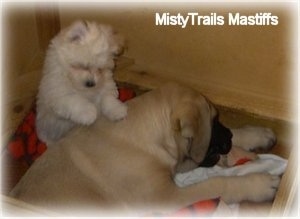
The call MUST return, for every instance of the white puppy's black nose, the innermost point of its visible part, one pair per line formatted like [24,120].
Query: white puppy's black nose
[90,83]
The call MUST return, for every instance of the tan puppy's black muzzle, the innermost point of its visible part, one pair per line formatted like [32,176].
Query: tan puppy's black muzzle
[220,143]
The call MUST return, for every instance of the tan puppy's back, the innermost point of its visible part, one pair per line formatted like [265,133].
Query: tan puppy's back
[88,165]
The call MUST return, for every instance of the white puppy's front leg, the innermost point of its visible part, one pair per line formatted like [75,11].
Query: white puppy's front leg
[77,109]
[253,137]
[113,108]
[110,105]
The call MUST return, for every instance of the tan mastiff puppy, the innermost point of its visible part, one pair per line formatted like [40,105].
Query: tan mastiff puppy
[128,167]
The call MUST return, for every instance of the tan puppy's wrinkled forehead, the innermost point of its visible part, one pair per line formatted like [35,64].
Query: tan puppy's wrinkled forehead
[185,96]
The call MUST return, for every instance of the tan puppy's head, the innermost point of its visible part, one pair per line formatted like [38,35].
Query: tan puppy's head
[200,137]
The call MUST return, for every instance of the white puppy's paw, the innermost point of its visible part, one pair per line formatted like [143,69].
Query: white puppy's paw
[252,138]
[85,114]
[115,110]
[261,187]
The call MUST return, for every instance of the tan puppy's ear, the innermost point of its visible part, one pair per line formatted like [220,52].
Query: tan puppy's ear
[191,124]
[184,120]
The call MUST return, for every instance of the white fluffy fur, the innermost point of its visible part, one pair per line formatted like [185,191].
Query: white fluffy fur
[77,84]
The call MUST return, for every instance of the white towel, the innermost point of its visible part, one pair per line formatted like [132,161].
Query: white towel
[266,163]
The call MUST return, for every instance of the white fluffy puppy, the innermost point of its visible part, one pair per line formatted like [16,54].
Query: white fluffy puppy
[77,84]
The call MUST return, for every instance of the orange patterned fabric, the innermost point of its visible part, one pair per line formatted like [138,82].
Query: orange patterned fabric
[24,144]
[199,209]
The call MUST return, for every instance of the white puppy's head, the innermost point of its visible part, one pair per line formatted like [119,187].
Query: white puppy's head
[86,52]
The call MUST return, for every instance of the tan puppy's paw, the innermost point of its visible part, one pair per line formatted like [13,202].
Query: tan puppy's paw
[262,187]
[252,138]
[256,187]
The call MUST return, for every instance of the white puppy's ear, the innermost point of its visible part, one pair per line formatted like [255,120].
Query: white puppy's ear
[77,31]
[116,41]
[119,45]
